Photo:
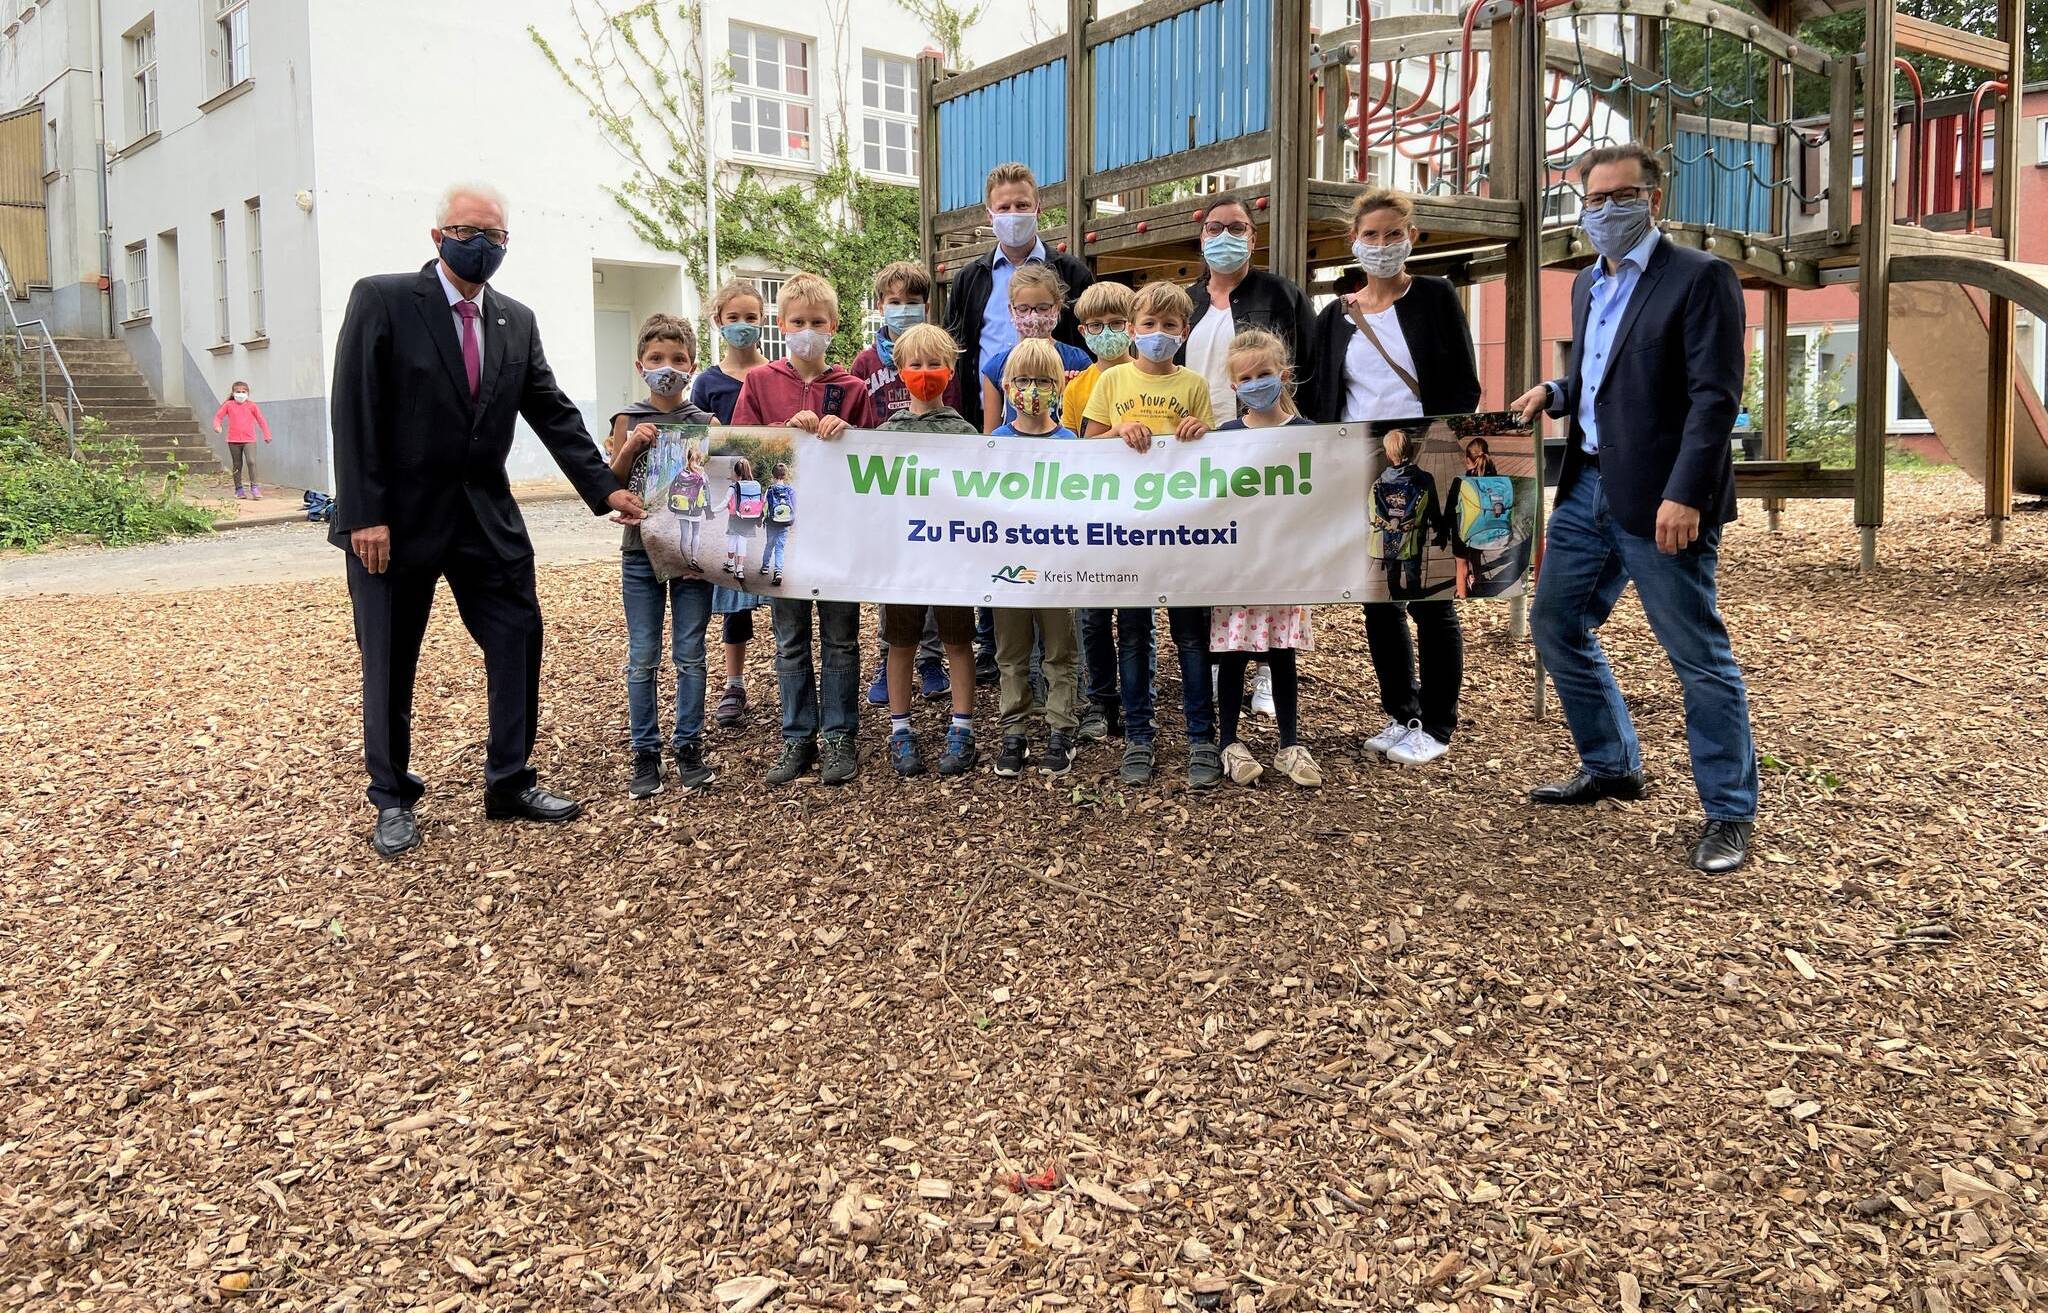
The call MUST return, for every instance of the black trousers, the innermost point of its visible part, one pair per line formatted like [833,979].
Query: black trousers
[1430,695]
[500,610]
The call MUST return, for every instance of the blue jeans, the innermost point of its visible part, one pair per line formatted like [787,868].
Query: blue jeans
[771,556]
[837,677]
[1098,656]
[1588,559]
[1189,628]
[646,599]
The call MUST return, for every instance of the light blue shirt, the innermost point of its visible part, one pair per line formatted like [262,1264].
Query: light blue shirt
[997,332]
[1606,306]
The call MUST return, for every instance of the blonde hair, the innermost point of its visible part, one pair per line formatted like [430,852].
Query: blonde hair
[667,328]
[905,278]
[1398,440]
[921,340]
[1012,171]
[732,292]
[1103,298]
[1267,349]
[809,289]
[1383,198]
[1034,356]
[1160,299]
[1041,277]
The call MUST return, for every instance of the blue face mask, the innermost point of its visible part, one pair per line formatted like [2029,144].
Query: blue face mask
[1225,252]
[885,346]
[1156,347]
[665,381]
[473,261]
[741,337]
[1261,393]
[896,318]
[1617,226]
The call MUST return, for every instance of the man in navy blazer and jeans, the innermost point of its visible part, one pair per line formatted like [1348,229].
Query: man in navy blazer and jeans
[1648,481]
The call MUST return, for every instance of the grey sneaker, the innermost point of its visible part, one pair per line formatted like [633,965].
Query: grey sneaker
[837,765]
[1137,764]
[1205,765]
[1094,725]
[798,756]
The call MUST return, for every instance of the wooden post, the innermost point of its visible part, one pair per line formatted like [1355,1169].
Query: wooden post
[2003,376]
[1777,396]
[1080,125]
[1336,80]
[1524,339]
[928,71]
[2000,380]
[1873,338]
[1287,220]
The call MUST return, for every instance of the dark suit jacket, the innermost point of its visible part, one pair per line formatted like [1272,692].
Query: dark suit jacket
[1671,392]
[410,446]
[966,299]
[1433,324]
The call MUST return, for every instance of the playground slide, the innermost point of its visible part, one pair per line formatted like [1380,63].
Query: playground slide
[1941,338]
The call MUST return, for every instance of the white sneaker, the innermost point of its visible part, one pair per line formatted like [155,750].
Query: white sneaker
[1387,739]
[1418,749]
[1262,693]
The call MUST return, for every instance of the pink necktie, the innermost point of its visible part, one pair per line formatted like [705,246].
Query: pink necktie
[472,360]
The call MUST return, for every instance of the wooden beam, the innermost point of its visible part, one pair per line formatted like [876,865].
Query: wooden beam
[1841,150]
[984,75]
[1873,338]
[1213,158]
[1792,480]
[928,176]
[1288,251]
[1777,299]
[1336,84]
[1080,124]
[1920,37]
[2000,380]
[1130,20]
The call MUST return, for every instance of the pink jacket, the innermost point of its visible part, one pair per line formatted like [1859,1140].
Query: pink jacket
[773,393]
[243,420]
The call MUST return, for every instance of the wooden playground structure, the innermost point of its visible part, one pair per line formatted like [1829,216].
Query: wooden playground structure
[1494,103]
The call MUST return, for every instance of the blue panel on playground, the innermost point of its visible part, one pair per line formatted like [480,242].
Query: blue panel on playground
[1023,117]
[1202,76]
[1723,181]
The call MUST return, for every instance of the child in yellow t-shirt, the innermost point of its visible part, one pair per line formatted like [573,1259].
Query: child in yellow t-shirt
[1104,312]
[1154,397]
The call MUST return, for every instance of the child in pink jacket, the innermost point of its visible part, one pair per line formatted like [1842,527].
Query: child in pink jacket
[244,421]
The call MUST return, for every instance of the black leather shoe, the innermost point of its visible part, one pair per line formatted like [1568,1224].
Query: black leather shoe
[396,832]
[1723,847]
[1585,788]
[534,804]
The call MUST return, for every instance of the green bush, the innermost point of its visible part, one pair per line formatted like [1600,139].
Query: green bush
[46,494]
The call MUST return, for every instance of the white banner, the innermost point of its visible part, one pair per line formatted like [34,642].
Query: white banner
[1309,513]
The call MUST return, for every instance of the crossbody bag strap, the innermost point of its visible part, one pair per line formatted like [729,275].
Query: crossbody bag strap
[1359,322]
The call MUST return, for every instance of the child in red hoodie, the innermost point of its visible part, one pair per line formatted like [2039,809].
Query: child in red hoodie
[805,392]
[244,419]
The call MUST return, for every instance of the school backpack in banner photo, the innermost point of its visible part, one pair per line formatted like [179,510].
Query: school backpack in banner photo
[747,503]
[1397,504]
[1485,506]
[781,504]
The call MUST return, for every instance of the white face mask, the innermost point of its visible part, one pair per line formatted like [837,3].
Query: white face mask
[1382,261]
[241,396]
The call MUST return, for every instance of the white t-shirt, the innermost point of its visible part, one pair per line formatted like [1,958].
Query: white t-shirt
[1372,390]
[1209,356]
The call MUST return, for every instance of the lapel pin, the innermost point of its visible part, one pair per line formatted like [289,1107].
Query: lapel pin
[501,321]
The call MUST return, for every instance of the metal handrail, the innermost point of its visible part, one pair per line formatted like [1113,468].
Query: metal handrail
[46,352]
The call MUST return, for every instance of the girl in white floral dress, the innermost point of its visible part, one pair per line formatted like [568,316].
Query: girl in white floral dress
[1238,635]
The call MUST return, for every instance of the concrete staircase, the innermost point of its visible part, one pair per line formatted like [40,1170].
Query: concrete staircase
[112,389]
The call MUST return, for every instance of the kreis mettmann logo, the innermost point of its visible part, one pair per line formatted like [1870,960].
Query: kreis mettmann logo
[1015,574]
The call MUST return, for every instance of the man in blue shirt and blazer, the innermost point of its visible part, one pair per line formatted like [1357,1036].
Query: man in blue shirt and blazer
[1648,481]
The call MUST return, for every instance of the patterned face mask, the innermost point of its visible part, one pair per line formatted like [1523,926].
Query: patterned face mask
[1033,398]
[1034,323]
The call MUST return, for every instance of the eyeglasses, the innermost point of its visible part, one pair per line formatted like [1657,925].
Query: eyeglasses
[1031,382]
[1596,200]
[1097,325]
[1238,229]
[462,232]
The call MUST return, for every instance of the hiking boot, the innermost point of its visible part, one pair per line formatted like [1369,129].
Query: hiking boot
[961,753]
[838,764]
[1010,761]
[732,707]
[1205,766]
[1240,765]
[1137,764]
[1059,754]
[646,781]
[1094,725]
[903,753]
[798,756]
[932,683]
[691,772]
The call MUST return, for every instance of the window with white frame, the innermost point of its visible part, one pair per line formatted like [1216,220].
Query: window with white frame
[2041,143]
[220,276]
[142,116]
[771,93]
[889,130]
[138,279]
[1903,413]
[252,214]
[771,323]
[2030,345]
[230,49]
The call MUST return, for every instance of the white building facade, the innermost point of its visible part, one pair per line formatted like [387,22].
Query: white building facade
[262,155]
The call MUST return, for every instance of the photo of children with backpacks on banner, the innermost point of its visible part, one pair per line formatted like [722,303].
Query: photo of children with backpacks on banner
[1449,518]
[721,504]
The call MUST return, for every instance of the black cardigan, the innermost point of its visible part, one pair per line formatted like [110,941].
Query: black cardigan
[967,297]
[1269,301]
[1439,338]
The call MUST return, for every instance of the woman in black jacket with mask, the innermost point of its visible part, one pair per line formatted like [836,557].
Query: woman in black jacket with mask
[1399,348]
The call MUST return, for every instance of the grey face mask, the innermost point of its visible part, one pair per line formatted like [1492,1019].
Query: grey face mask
[1383,261]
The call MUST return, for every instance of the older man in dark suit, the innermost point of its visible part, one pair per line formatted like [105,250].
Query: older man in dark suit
[431,370]
[1648,481]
